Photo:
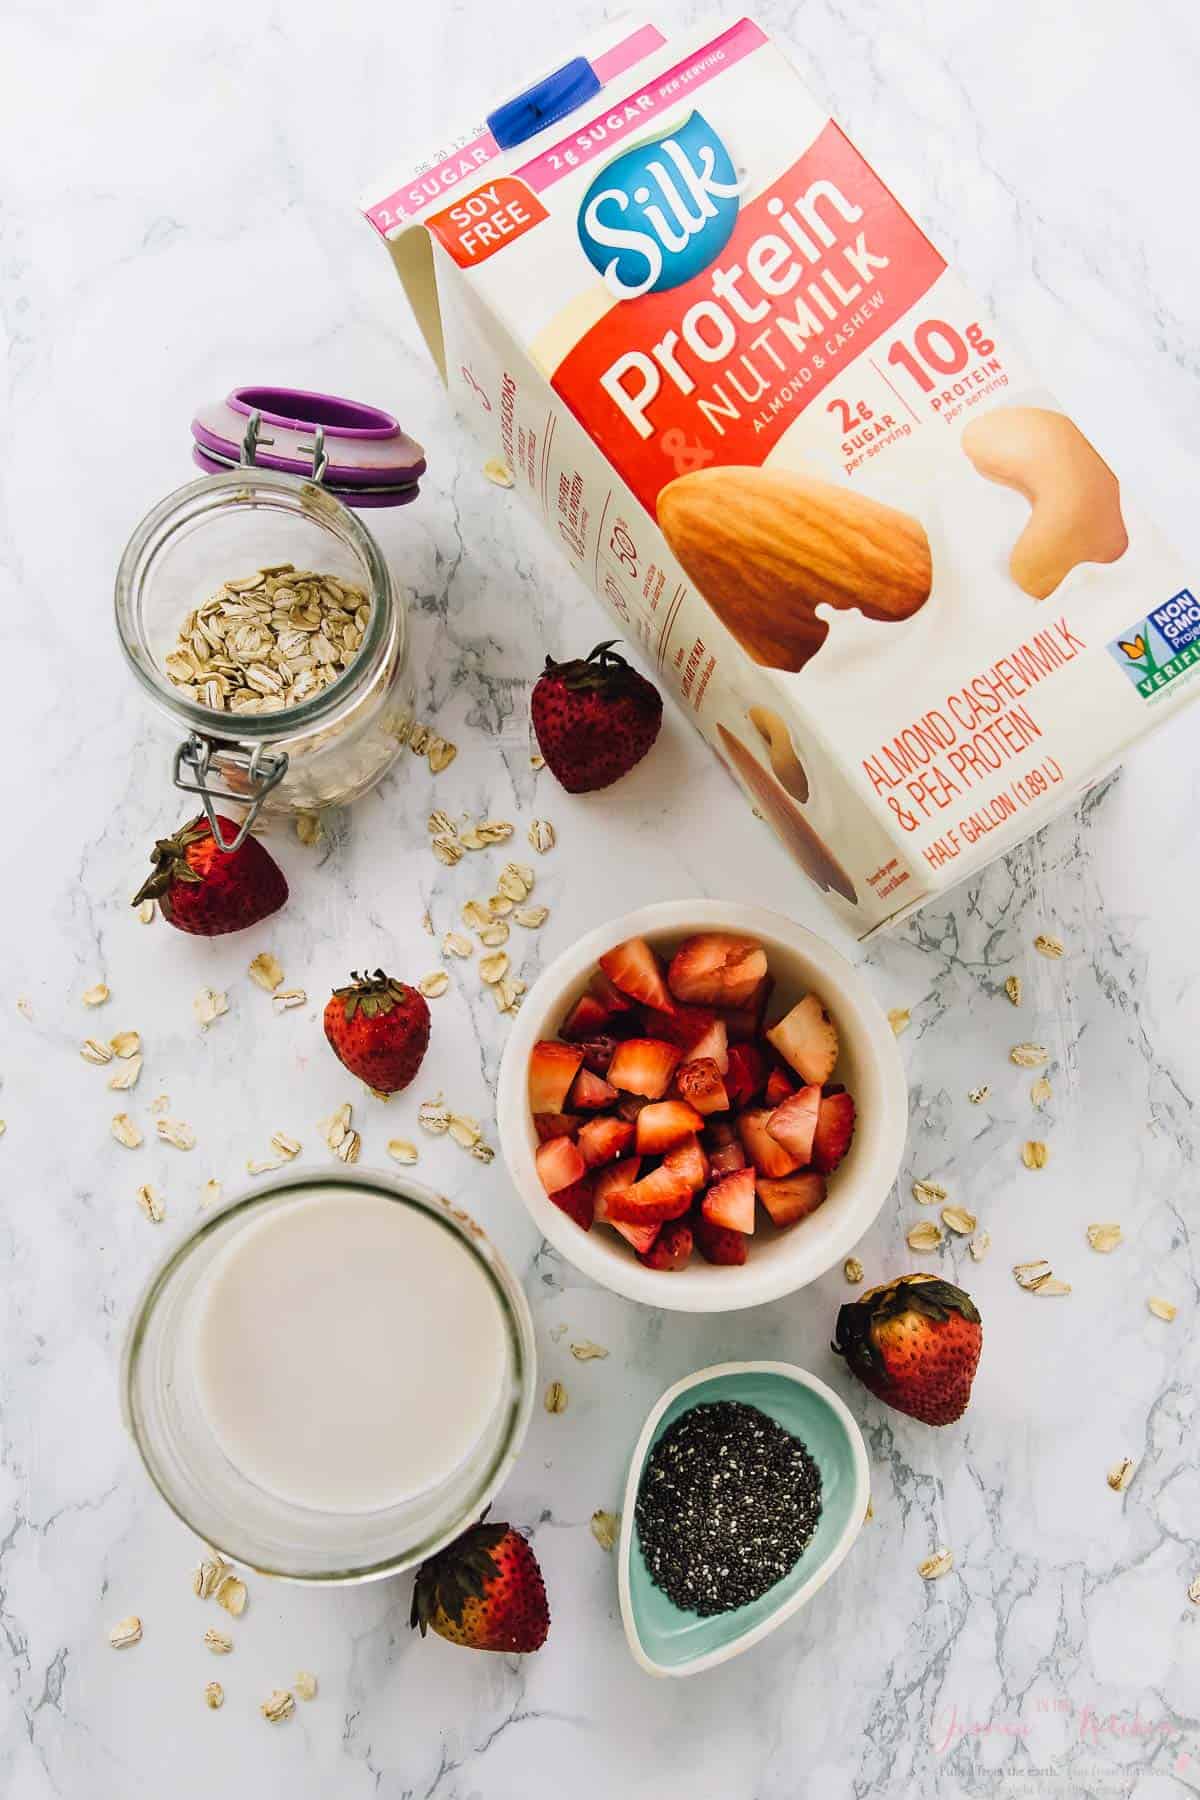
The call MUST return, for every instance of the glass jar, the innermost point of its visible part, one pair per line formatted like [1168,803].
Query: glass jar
[259,511]
[163,1409]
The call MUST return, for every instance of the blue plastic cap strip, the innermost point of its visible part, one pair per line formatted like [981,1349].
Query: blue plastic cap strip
[539,106]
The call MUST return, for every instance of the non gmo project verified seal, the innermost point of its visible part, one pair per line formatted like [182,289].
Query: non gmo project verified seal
[1162,646]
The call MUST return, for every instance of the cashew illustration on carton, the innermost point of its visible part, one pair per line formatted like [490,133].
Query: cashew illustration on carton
[809,849]
[775,735]
[1075,498]
[765,547]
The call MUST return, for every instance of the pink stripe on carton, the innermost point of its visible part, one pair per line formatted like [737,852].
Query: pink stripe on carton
[661,94]
[630,50]
[426,186]
[429,185]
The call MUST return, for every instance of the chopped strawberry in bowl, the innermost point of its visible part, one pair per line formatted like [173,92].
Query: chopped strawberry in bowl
[702,1106]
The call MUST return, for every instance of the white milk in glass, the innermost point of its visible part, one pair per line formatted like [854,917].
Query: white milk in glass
[350,1351]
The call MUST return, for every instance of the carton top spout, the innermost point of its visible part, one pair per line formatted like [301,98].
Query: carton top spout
[548,100]
[480,148]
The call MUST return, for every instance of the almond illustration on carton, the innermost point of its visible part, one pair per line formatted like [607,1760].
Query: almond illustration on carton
[1074,497]
[765,547]
[807,846]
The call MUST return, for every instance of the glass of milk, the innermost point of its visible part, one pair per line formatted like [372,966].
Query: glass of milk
[330,1377]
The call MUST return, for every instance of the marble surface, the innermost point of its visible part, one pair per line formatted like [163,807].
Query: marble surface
[177,193]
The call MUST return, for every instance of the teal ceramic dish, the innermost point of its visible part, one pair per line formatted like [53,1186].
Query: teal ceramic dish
[667,1641]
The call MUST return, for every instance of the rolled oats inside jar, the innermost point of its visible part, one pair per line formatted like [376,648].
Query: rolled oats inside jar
[257,612]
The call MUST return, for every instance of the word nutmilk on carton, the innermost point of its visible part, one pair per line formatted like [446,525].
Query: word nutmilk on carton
[909,605]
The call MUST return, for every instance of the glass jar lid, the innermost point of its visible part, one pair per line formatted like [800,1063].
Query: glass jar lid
[360,453]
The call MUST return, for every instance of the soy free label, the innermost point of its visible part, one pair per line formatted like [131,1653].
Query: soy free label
[475,227]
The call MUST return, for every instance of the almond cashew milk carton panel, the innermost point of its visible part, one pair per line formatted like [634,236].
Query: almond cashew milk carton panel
[905,599]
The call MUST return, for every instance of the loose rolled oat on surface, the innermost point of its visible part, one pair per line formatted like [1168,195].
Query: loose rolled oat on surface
[266,971]
[1038,1277]
[150,1201]
[209,1005]
[925,1193]
[208,1576]
[126,1132]
[177,1133]
[605,1528]
[231,1593]
[1121,1474]
[925,1236]
[1104,1237]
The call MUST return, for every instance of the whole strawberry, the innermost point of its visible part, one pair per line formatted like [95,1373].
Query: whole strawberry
[208,891]
[484,1591]
[914,1343]
[594,718]
[379,1029]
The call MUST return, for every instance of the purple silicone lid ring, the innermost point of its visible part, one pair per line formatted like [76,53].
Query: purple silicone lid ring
[341,418]
[370,459]
[360,498]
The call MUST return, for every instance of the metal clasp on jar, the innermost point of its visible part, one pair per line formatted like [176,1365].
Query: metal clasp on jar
[263,769]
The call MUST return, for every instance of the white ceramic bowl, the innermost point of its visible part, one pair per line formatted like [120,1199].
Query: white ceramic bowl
[869,1065]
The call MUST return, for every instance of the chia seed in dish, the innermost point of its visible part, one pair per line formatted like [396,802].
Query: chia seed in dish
[727,1504]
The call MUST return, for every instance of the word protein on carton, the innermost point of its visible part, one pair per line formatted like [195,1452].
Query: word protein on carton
[910,605]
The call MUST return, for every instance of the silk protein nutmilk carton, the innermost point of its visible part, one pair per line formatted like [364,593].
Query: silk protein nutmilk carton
[908,603]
